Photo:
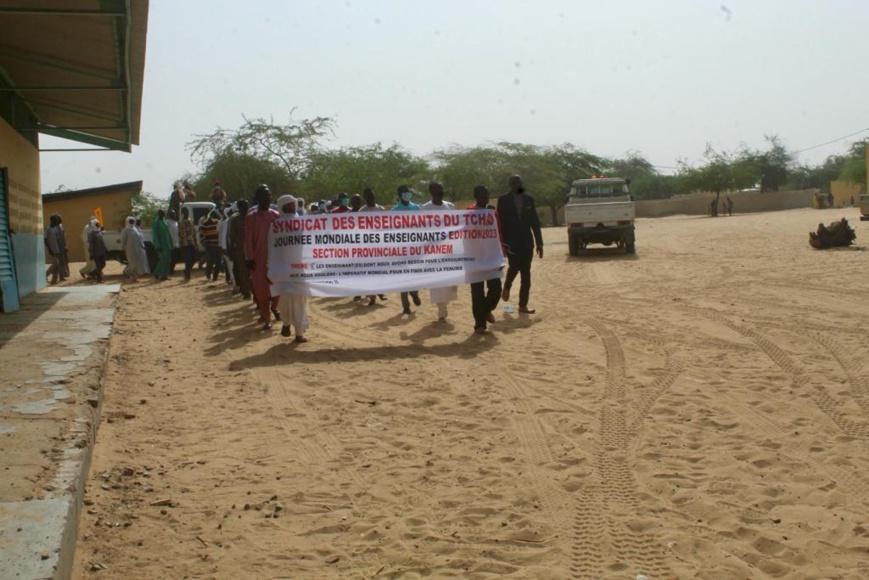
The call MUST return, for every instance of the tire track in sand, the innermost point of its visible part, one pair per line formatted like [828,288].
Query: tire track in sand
[599,534]
[820,395]
[855,484]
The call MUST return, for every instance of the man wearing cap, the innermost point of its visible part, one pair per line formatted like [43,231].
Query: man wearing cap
[256,251]
[293,307]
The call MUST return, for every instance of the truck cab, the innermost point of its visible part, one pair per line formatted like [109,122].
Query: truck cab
[864,206]
[600,210]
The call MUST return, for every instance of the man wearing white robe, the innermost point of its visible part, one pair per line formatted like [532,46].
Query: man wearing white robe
[293,307]
[440,296]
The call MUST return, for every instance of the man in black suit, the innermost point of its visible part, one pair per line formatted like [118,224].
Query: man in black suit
[520,231]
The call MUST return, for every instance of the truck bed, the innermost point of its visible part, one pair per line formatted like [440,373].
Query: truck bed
[590,212]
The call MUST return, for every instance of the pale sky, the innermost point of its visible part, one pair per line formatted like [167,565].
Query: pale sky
[661,77]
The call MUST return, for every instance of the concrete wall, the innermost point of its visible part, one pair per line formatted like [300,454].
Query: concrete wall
[77,212]
[844,192]
[743,202]
[21,158]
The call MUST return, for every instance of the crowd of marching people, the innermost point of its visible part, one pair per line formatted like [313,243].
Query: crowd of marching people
[234,242]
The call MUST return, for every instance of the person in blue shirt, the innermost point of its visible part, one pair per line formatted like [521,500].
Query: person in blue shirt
[404,204]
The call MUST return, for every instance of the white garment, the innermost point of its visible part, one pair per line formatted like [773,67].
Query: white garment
[293,307]
[441,296]
[173,232]
[222,231]
[294,312]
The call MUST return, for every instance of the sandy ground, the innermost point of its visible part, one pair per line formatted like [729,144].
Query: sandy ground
[699,410]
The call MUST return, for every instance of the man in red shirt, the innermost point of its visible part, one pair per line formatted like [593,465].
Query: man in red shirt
[256,251]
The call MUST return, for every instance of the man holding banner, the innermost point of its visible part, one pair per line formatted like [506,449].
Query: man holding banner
[440,296]
[361,253]
[484,295]
[292,306]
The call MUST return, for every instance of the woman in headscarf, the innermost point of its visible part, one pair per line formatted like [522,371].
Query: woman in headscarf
[293,307]
[133,244]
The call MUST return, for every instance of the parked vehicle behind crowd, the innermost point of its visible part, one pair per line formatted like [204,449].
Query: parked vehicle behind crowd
[112,238]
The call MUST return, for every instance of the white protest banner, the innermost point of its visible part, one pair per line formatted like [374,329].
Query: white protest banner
[360,253]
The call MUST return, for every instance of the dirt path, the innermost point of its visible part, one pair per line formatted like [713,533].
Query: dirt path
[700,410]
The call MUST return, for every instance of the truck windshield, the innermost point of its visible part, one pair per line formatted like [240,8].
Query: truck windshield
[601,189]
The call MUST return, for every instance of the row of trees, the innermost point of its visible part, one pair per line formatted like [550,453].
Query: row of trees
[292,158]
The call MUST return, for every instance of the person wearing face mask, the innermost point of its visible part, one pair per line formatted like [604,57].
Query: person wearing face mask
[343,204]
[293,307]
[404,204]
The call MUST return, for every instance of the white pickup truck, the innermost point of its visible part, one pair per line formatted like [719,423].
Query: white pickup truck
[600,211]
[112,238]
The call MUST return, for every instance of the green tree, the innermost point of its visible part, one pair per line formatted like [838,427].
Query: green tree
[718,174]
[646,182]
[460,169]
[769,169]
[854,169]
[547,172]
[240,174]
[571,163]
[144,206]
[352,169]
[290,146]
[819,176]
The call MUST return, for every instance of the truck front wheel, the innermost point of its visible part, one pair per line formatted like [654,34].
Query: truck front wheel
[630,248]
[573,245]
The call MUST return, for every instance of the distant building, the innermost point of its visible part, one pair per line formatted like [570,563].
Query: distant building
[74,70]
[76,207]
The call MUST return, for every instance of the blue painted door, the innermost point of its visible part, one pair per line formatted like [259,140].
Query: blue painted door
[8,281]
